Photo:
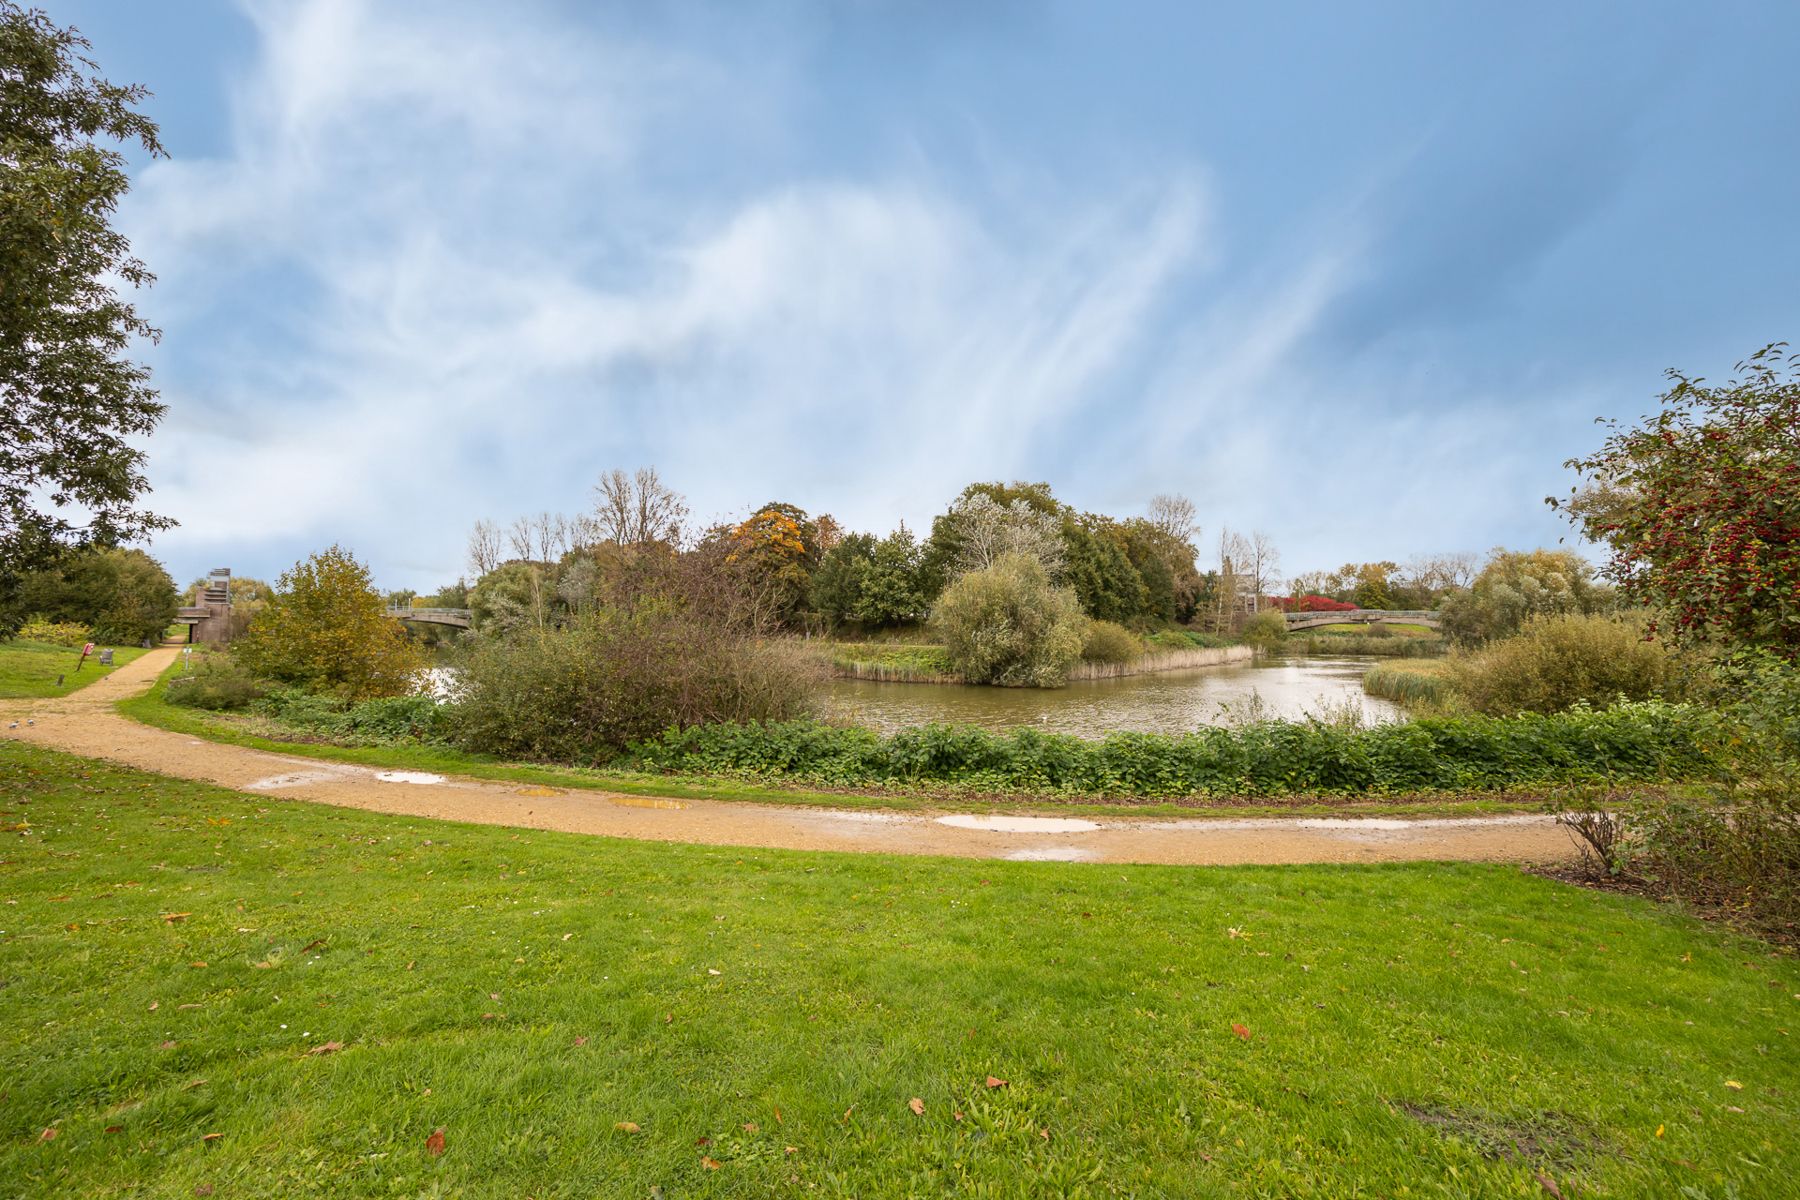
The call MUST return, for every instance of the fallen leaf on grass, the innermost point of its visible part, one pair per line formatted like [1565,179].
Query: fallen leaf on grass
[168,1046]
[434,1145]
[702,1141]
[749,1126]
[313,945]
[790,1149]
[1242,1031]
[327,1048]
[712,971]
[265,965]
[203,1189]
[1044,1133]
[627,1126]
[581,1041]
[197,965]
[1734,1085]
[114,1129]
[994,1082]
[956,1116]
[211,1137]
[1659,1131]
[49,1135]
[1548,1184]
[154,1004]
[567,936]
[1732,1108]
[917,1105]
[171,918]
[192,1084]
[711,1164]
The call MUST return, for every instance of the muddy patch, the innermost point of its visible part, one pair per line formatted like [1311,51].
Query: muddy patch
[1541,1141]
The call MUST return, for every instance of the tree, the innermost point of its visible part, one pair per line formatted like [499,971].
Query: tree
[1009,624]
[1173,515]
[122,595]
[837,585]
[1700,507]
[327,630]
[638,509]
[69,475]
[484,548]
[774,551]
[890,593]
[1099,569]
[1517,585]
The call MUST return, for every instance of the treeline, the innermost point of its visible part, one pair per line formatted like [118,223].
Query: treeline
[105,594]
[812,574]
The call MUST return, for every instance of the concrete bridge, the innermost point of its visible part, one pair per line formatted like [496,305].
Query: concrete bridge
[456,617]
[1362,616]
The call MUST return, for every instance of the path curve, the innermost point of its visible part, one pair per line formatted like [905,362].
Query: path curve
[86,723]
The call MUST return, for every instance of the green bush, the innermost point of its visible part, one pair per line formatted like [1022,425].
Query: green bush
[215,681]
[1557,661]
[1009,625]
[1266,630]
[55,633]
[383,721]
[1736,845]
[582,693]
[1107,642]
[1629,743]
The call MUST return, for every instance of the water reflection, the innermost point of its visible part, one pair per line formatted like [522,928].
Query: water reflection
[1167,702]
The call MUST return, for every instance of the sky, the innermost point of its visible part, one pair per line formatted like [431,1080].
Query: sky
[1359,276]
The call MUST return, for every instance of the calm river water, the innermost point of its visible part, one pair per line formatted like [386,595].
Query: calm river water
[1165,702]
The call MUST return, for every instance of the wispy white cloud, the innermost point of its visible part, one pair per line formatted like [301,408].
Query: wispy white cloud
[463,299]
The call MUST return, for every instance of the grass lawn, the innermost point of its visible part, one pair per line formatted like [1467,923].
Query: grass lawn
[262,734]
[208,992]
[31,668]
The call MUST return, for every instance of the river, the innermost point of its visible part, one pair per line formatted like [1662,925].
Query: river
[1165,702]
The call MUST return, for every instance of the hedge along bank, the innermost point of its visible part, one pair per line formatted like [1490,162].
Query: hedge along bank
[1651,742]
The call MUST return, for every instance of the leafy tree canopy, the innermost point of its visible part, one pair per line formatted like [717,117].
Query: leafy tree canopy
[1700,505]
[68,475]
[327,629]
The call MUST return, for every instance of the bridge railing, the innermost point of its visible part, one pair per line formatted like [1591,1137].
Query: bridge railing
[1361,615]
[403,611]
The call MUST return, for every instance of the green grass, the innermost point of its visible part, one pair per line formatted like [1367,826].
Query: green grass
[895,661]
[261,734]
[1361,628]
[1419,1030]
[29,669]
[1415,682]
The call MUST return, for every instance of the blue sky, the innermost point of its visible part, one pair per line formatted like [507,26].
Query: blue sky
[1360,276]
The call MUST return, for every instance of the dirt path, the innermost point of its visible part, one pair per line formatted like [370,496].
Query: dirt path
[85,723]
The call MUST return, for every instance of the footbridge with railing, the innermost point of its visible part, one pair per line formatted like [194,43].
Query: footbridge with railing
[455,617]
[1297,621]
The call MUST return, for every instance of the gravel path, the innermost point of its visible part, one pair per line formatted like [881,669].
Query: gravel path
[85,723]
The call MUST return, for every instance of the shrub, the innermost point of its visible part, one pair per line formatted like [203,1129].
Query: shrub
[1737,844]
[216,682]
[1107,642]
[1266,630]
[383,721]
[582,693]
[1008,624]
[327,629]
[1630,743]
[1555,662]
[56,633]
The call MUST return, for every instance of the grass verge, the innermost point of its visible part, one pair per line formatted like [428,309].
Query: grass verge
[30,669]
[217,993]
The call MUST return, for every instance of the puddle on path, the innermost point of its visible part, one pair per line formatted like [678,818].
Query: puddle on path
[293,779]
[645,802]
[995,824]
[409,777]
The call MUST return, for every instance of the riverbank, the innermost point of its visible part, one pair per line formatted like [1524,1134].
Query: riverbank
[86,724]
